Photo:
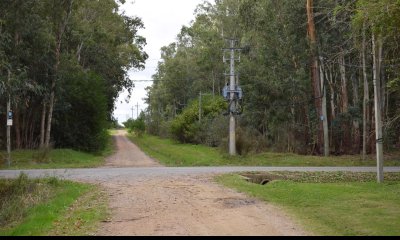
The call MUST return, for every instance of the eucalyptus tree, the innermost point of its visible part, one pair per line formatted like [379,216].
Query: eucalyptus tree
[379,21]
[101,46]
[47,46]
[293,52]
[26,51]
[107,42]
[274,73]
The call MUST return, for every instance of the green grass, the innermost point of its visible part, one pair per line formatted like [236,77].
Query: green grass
[55,159]
[171,153]
[49,207]
[113,131]
[332,206]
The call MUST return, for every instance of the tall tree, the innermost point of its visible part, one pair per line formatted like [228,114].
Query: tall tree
[315,76]
[39,40]
[61,12]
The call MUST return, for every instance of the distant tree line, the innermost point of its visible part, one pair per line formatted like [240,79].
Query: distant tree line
[307,69]
[64,62]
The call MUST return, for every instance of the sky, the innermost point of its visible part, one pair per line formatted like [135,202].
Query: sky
[163,20]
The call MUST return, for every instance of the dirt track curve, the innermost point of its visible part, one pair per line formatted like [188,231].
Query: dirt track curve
[183,205]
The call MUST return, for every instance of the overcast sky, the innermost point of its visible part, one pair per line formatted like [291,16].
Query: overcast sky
[163,19]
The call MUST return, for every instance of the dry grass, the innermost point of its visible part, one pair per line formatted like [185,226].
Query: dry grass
[17,196]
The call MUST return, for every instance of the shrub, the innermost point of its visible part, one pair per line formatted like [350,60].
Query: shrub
[248,140]
[137,126]
[80,114]
[213,131]
[187,128]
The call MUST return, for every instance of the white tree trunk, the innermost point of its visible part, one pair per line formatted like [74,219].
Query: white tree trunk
[366,111]
[378,117]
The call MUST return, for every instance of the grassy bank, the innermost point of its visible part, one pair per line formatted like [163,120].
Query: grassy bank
[343,204]
[171,153]
[49,207]
[56,158]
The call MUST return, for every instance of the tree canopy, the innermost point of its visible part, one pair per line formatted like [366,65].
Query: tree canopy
[282,65]
[67,61]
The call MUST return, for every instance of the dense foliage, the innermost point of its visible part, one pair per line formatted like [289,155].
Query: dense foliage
[286,57]
[64,62]
[136,126]
[189,127]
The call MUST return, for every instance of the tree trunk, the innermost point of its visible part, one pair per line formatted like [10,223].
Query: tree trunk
[79,51]
[331,82]
[356,123]
[344,104]
[315,79]
[345,94]
[42,125]
[17,124]
[32,142]
[57,53]
[366,109]
[51,108]
[25,128]
[376,54]
[382,78]
[324,113]
[306,129]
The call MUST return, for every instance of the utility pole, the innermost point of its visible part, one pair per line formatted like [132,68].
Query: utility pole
[233,96]
[132,111]
[232,121]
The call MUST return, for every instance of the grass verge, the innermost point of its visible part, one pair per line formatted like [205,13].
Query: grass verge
[49,207]
[56,159]
[171,153]
[342,204]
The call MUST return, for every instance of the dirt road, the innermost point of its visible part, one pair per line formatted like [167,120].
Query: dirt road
[128,154]
[183,205]
[148,199]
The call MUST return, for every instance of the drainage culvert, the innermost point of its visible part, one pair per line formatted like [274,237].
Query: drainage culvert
[260,178]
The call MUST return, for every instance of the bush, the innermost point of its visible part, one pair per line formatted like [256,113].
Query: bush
[213,131]
[137,126]
[187,128]
[80,115]
[248,140]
